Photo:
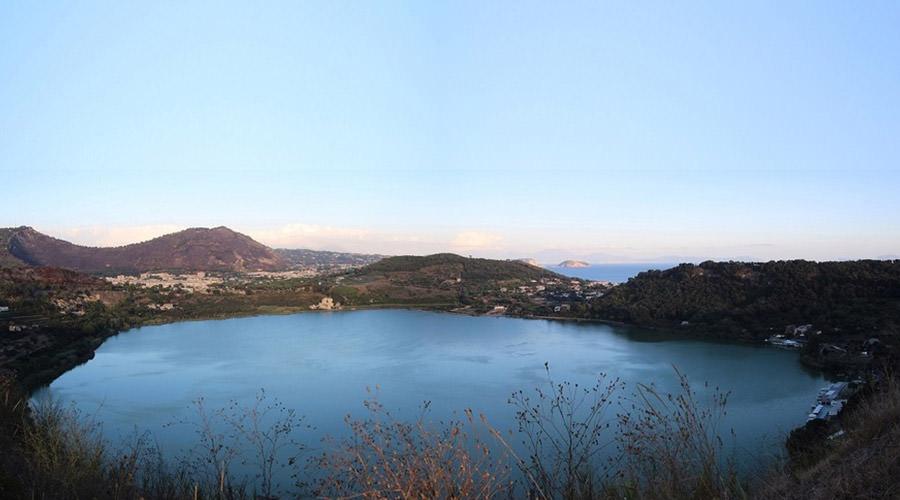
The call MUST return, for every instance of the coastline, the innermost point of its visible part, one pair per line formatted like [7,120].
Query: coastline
[48,364]
[65,360]
[52,363]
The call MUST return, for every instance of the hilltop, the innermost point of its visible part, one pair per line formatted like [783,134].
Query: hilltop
[195,249]
[466,268]
[833,309]
[323,259]
[849,296]
[447,279]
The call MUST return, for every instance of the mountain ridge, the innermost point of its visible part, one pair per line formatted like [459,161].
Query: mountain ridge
[192,249]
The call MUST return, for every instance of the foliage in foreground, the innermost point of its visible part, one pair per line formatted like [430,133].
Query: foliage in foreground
[388,458]
[573,442]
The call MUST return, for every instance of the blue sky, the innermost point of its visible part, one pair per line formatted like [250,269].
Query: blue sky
[607,131]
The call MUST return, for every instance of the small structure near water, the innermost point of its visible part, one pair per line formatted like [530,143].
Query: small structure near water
[326,304]
[830,401]
[781,341]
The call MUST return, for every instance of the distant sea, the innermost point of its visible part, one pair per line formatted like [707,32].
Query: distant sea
[616,273]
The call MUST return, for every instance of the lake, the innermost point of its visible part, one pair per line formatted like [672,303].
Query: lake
[322,363]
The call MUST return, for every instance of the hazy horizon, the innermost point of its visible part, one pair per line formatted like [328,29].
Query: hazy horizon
[508,130]
[87,236]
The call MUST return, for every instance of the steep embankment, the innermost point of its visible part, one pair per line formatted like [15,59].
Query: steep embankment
[196,249]
[7,259]
[862,462]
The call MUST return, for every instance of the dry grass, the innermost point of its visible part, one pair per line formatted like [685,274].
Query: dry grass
[262,436]
[865,463]
[66,457]
[566,429]
[581,442]
[672,446]
[386,458]
[50,452]
[666,446]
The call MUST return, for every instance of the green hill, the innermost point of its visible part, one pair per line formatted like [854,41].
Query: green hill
[445,265]
[755,299]
[445,278]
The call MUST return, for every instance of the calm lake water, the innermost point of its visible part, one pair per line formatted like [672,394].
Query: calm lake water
[615,273]
[322,363]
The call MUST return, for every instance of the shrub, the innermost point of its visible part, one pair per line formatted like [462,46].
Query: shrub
[387,458]
[565,429]
[672,446]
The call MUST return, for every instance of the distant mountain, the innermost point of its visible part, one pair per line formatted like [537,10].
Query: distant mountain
[303,258]
[195,249]
[530,262]
[573,264]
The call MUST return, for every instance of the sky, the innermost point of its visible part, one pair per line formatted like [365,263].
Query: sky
[607,131]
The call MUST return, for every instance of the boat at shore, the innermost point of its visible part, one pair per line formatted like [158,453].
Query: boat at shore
[781,341]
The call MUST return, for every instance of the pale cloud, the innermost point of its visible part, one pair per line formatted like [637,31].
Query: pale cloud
[309,235]
[476,240]
[346,239]
[294,235]
[546,245]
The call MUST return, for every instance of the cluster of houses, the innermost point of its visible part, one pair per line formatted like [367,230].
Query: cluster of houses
[195,282]
[856,351]
[10,322]
[831,401]
[76,305]
[205,283]
[794,336]
[554,290]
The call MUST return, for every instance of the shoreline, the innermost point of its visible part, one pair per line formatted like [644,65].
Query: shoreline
[70,356]
[65,360]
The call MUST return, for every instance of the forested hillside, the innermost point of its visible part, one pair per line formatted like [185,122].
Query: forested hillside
[444,265]
[753,299]
[445,278]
